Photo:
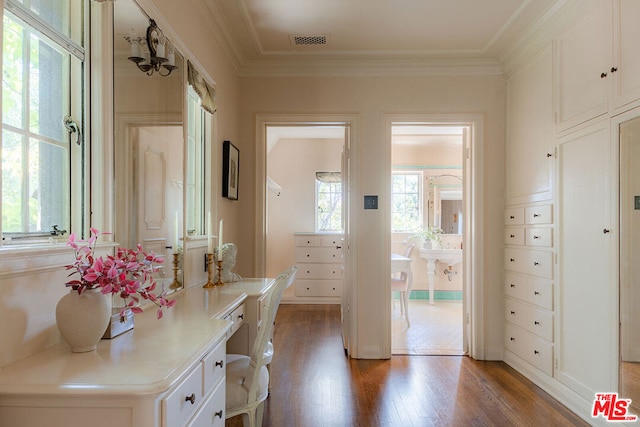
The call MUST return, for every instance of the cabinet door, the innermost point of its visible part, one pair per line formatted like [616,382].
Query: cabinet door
[583,64]
[587,279]
[627,60]
[530,131]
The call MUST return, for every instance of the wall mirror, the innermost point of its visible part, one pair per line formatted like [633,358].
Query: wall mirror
[148,135]
[445,202]
[629,267]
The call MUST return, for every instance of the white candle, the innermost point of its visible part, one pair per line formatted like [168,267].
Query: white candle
[171,58]
[220,240]
[160,50]
[209,241]
[175,245]
[135,46]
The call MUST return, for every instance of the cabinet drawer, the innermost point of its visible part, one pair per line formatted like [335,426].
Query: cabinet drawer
[332,241]
[539,214]
[534,350]
[514,216]
[514,236]
[319,271]
[180,404]
[318,288]
[530,289]
[213,366]
[536,321]
[212,412]
[318,254]
[537,263]
[236,317]
[540,237]
[311,240]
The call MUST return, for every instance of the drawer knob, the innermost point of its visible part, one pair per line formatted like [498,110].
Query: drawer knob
[614,69]
[536,352]
[512,339]
[536,237]
[605,230]
[512,260]
[535,215]
[512,217]
[512,285]
[603,75]
[308,255]
[535,322]
[549,155]
[536,293]
[241,316]
[513,312]
[513,236]
[218,414]
[220,363]
[536,263]
[191,398]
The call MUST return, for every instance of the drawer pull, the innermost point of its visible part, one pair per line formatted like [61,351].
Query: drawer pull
[605,230]
[512,285]
[536,352]
[536,293]
[549,155]
[308,256]
[536,263]
[308,288]
[218,414]
[512,217]
[603,75]
[535,322]
[512,260]
[513,236]
[513,312]
[535,215]
[220,363]
[536,237]
[308,272]
[512,339]
[191,398]
[241,316]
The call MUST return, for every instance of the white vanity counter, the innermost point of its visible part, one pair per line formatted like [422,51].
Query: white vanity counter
[131,379]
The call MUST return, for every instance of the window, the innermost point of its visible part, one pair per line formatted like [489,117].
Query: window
[406,201]
[329,201]
[42,83]
[196,120]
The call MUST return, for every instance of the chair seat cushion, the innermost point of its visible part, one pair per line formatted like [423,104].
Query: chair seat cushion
[398,285]
[237,371]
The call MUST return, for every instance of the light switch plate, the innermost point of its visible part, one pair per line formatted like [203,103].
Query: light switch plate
[371,202]
[636,201]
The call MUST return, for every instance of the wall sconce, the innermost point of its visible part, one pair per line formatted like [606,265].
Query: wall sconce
[154,59]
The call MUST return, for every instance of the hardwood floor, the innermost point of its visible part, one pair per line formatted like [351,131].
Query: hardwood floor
[313,384]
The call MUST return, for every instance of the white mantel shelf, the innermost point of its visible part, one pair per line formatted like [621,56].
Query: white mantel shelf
[148,360]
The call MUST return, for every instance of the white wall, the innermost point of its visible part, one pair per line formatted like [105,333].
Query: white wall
[370,98]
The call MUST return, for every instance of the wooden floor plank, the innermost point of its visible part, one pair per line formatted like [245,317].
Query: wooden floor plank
[314,384]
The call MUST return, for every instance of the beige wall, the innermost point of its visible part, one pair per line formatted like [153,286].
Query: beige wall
[371,98]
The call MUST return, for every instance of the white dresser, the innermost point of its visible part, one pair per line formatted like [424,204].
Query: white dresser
[319,260]
[167,372]
[529,265]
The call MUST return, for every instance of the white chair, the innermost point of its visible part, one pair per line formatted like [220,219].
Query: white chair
[402,285]
[247,376]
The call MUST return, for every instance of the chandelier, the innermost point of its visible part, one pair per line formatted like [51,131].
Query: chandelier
[153,58]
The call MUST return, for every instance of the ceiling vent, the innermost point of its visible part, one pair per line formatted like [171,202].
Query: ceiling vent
[309,40]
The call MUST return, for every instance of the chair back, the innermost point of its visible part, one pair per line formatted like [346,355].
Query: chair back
[407,252]
[259,353]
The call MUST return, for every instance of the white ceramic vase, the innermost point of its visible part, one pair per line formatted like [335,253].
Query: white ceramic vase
[82,319]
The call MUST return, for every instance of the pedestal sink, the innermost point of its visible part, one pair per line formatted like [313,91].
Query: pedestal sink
[450,257]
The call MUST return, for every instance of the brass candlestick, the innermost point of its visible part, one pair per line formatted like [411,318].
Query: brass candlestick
[219,282]
[175,284]
[209,283]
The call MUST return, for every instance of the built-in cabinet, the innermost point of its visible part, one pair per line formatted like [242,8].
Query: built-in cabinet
[319,260]
[561,273]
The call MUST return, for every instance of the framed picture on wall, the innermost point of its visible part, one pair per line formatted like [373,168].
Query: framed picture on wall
[230,170]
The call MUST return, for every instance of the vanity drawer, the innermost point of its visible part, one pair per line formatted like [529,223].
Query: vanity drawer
[308,240]
[540,237]
[332,241]
[236,317]
[536,321]
[514,216]
[542,214]
[537,263]
[530,289]
[535,351]
[212,413]
[318,288]
[319,271]
[318,254]
[180,404]
[213,366]
[514,236]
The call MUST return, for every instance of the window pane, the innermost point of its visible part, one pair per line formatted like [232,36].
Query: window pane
[406,212]
[53,12]
[12,158]
[48,186]
[329,196]
[48,81]
[12,73]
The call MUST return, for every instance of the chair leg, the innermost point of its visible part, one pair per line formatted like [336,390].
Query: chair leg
[402,294]
[259,414]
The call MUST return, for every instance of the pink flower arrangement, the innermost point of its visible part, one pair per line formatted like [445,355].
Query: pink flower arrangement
[128,274]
